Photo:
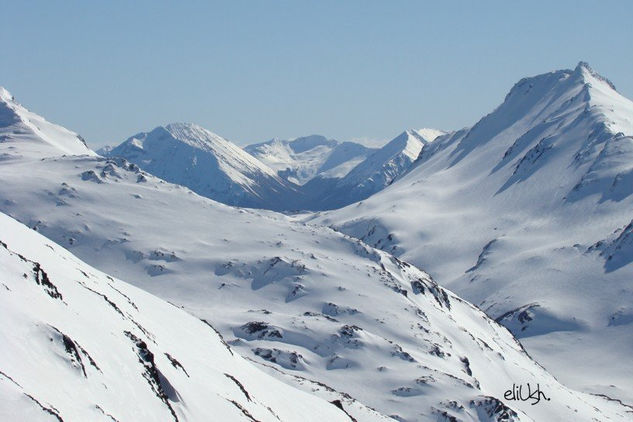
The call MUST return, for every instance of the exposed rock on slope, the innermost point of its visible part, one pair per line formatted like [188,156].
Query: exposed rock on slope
[79,345]
[506,212]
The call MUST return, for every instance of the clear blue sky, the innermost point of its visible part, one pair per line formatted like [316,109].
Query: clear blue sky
[251,70]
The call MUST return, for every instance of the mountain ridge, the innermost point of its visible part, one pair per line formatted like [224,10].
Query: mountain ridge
[301,159]
[312,172]
[19,125]
[506,213]
[210,165]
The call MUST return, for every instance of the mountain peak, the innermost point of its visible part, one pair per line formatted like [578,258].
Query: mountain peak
[409,143]
[5,95]
[175,127]
[429,134]
[206,163]
[190,133]
[587,73]
[382,167]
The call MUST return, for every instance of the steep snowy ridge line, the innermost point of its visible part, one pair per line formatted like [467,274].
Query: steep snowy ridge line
[19,124]
[525,214]
[376,172]
[208,164]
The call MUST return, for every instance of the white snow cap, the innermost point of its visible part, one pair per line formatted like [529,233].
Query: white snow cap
[430,134]
[5,95]
[585,70]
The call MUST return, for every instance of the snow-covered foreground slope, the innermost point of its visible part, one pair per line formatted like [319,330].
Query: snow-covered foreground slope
[78,345]
[304,302]
[304,158]
[208,164]
[528,215]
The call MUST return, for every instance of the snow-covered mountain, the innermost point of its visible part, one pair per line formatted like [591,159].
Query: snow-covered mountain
[320,310]
[372,175]
[78,345]
[28,133]
[302,159]
[311,172]
[208,164]
[429,134]
[104,151]
[528,215]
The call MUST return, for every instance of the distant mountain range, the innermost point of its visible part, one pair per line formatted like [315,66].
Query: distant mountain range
[308,173]
[302,159]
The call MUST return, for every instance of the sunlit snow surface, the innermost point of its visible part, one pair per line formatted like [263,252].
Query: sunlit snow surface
[300,160]
[189,155]
[78,345]
[528,215]
[302,301]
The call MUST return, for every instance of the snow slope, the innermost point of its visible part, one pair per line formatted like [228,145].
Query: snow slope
[304,158]
[32,134]
[208,164]
[528,215]
[313,307]
[78,345]
[430,134]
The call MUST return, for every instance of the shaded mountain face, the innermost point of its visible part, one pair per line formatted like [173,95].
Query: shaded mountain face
[208,164]
[317,309]
[302,159]
[527,214]
[89,347]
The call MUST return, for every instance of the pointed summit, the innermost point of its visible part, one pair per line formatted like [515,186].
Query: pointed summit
[429,134]
[527,213]
[5,95]
[587,72]
[376,172]
[409,143]
[206,163]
